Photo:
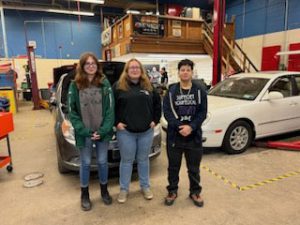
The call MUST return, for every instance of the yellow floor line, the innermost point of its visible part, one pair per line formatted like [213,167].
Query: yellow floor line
[251,186]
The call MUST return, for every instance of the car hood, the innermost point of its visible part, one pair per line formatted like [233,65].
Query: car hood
[217,103]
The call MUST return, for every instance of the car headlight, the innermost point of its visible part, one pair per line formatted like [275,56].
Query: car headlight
[208,116]
[68,131]
[157,129]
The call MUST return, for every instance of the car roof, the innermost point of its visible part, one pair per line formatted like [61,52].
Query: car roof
[266,74]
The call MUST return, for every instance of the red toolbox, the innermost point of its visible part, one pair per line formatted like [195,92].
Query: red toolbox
[6,126]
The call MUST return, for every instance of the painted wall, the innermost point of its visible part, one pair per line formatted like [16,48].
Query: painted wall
[257,17]
[253,45]
[57,36]
[44,68]
[263,23]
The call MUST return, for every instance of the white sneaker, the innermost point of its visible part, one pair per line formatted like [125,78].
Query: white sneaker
[148,195]
[122,198]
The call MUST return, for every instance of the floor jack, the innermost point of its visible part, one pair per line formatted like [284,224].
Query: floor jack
[283,145]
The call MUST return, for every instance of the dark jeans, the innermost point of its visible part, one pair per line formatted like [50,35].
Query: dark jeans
[193,155]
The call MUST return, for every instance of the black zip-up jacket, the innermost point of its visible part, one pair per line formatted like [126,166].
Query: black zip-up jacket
[137,107]
[171,112]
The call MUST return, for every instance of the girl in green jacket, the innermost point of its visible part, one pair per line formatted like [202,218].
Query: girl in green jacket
[91,111]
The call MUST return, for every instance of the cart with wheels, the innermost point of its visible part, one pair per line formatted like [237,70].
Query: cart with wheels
[6,126]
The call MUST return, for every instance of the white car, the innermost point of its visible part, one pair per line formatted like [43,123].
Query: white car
[250,106]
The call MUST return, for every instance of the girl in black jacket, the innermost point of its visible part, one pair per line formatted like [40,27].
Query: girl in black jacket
[138,110]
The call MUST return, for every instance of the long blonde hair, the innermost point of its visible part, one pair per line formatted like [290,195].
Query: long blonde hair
[124,78]
[81,78]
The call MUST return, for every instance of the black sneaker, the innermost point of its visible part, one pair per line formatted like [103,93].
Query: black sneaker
[197,200]
[170,199]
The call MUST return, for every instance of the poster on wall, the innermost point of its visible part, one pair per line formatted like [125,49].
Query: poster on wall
[120,31]
[148,25]
[176,32]
[176,24]
[117,50]
[176,28]
[152,71]
[106,37]
[150,67]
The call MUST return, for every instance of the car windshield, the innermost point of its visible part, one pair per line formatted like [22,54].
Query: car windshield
[246,88]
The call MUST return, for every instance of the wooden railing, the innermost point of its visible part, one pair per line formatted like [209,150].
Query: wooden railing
[154,34]
[233,57]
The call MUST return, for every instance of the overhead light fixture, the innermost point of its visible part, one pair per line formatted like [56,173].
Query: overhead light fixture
[133,12]
[100,2]
[81,13]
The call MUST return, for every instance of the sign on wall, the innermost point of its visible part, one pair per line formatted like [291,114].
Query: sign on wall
[32,43]
[176,28]
[148,25]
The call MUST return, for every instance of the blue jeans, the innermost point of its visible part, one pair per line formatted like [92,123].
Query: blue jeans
[86,158]
[134,146]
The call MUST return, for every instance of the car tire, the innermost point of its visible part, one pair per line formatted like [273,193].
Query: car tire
[60,166]
[238,137]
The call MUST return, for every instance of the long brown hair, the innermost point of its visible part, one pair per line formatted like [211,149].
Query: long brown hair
[124,78]
[81,78]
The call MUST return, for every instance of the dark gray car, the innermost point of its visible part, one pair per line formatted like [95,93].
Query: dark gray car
[67,154]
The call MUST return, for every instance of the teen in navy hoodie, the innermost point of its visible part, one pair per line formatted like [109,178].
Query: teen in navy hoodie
[185,109]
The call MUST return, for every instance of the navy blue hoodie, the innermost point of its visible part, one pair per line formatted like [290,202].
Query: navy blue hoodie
[185,107]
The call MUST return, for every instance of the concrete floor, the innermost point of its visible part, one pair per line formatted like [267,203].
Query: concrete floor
[57,200]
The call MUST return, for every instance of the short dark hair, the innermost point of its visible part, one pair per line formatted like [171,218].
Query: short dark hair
[185,62]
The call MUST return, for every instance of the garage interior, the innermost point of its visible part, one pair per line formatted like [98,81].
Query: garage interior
[258,186]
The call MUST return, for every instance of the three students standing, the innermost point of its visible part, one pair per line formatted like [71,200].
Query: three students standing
[134,107]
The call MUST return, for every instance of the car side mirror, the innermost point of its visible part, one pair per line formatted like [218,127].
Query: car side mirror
[273,95]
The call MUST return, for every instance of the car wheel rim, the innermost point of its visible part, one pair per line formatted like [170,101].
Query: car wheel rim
[239,138]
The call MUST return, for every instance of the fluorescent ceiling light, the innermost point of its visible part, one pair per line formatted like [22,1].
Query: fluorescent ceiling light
[133,12]
[49,10]
[79,13]
[101,2]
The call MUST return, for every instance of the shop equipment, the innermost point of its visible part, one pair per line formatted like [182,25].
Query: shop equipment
[7,126]
[294,145]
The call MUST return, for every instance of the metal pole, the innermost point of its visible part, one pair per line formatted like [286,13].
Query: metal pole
[285,43]
[3,30]
[34,84]
[44,38]
[9,150]
[218,23]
